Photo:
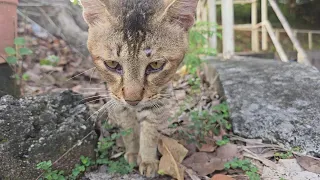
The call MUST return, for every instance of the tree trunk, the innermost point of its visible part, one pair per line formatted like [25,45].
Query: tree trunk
[60,18]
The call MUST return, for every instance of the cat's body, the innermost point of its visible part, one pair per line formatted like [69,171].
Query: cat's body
[137,46]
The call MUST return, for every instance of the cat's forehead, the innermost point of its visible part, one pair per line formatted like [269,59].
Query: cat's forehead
[136,22]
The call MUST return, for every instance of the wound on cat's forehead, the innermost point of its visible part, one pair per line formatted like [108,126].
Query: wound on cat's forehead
[148,52]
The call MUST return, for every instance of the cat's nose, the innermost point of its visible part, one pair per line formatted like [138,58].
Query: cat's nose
[132,103]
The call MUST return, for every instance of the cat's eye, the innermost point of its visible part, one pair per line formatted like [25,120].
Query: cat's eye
[155,67]
[113,66]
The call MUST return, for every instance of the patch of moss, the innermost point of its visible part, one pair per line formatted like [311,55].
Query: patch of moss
[3,140]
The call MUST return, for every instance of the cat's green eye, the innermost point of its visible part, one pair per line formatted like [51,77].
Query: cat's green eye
[156,65]
[111,64]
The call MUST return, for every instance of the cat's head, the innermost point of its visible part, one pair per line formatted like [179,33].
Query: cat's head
[137,45]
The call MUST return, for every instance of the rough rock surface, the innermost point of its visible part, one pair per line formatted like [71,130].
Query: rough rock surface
[275,101]
[41,128]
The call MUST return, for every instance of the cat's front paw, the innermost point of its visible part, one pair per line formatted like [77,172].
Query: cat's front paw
[131,158]
[149,168]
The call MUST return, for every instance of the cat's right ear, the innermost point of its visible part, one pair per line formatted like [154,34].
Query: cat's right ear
[94,11]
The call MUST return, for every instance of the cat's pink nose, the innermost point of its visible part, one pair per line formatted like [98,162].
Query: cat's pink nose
[132,103]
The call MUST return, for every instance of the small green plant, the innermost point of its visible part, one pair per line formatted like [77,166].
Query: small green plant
[194,83]
[222,142]
[15,59]
[75,2]
[245,165]
[86,162]
[104,149]
[286,155]
[50,174]
[207,123]
[198,46]
[117,166]
[50,61]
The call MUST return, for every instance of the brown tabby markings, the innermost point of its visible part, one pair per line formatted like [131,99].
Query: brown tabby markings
[133,34]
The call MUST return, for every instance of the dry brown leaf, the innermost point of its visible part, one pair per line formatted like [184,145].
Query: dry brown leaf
[265,161]
[268,154]
[210,146]
[172,155]
[311,164]
[228,151]
[115,156]
[204,163]
[207,148]
[221,177]
[192,174]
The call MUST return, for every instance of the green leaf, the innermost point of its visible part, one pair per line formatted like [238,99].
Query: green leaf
[11,60]
[10,51]
[81,168]
[75,172]
[55,176]
[227,166]
[25,51]
[25,77]
[75,2]
[19,41]
[61,178]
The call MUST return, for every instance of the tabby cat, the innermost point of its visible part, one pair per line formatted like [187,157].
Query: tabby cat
[137,46]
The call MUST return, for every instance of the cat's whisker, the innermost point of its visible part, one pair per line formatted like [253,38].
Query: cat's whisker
[96,112]
[94,88]
[80,74]
[95,100]
[99,96]
[91,75]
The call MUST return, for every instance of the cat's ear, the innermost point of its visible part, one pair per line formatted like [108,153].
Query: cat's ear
[94,11]
[181,11]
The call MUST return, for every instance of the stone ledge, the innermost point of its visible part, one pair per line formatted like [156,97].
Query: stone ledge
[278,102]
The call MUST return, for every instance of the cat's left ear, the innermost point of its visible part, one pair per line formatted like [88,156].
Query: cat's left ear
[94,11]
[181,12]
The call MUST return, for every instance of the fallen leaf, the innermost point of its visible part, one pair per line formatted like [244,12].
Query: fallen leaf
[221,177]
[290,165]
[180,94]
[228,152]
[311,164]
[204,163]
[207,148]
[268,154]
[115,156]
[265,161]
[172,155]
[192,174]
[76,88]
[47,68]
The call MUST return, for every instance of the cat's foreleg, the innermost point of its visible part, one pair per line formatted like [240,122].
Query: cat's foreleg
[148,161]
